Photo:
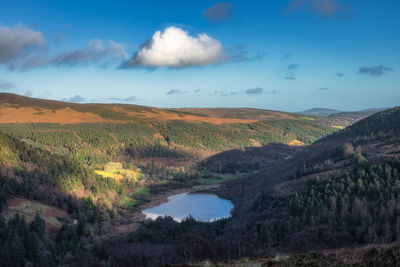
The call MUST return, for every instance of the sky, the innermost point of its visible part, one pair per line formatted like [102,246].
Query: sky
[286,55]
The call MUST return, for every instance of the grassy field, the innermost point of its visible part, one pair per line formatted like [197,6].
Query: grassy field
[115,171]
[340,127]
[307,118]
[136,198]
[130,203]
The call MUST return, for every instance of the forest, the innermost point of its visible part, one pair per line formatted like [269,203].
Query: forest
[96,144]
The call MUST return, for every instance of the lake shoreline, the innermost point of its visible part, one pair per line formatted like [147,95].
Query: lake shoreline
[158,199]
[130,220]
[202,207]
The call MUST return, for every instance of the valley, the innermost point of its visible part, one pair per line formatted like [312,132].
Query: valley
[297,183]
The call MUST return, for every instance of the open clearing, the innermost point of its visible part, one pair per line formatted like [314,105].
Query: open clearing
[115,171]
[29,208]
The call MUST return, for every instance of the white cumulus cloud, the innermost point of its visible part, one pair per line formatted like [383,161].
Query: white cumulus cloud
[175,48]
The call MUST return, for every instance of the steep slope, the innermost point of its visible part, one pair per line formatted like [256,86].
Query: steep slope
[48,204]
[343,190]
[384,123]
[37,174]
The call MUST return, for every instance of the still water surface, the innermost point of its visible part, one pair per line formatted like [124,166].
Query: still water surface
[202,207]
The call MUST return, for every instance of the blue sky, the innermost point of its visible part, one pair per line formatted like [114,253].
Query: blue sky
[283,54]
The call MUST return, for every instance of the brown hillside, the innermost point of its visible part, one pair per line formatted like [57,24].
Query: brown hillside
[21,109]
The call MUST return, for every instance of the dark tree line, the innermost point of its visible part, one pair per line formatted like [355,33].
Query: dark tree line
[22,243]
[360,207]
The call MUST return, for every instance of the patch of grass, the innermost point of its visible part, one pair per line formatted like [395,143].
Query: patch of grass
[143,191]
[105,174]
[338,127]
[130,202]
[307,118]
[115,171]
[137,197]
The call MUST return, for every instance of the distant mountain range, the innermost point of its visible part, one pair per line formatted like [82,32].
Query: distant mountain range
[325,112]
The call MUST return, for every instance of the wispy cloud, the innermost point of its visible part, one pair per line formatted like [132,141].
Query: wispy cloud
[253,91]
[6,86]
[176,92]
[339,74]
[219,12]
[293,67]
[28,93]
[250,91]
[23,48]
[375,70]
[75,99]
[287,56]
[322,89]
[327,8]
[240,54]
[225,93]
[95,51]
[291,71]
[124,99]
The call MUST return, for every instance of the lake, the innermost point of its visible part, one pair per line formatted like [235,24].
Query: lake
[202,207]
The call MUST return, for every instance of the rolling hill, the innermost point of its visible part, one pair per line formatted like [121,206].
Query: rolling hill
[320,112]
[98,133]
[21,109]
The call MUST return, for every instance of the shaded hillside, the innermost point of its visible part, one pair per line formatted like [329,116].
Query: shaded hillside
[370,255]
[332,194]
[343,190]
[384,123]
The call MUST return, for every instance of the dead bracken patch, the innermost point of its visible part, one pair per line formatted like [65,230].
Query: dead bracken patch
[67,115]
[63,116]
[29,208]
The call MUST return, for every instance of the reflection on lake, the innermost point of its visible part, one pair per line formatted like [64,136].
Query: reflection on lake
[201,207]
